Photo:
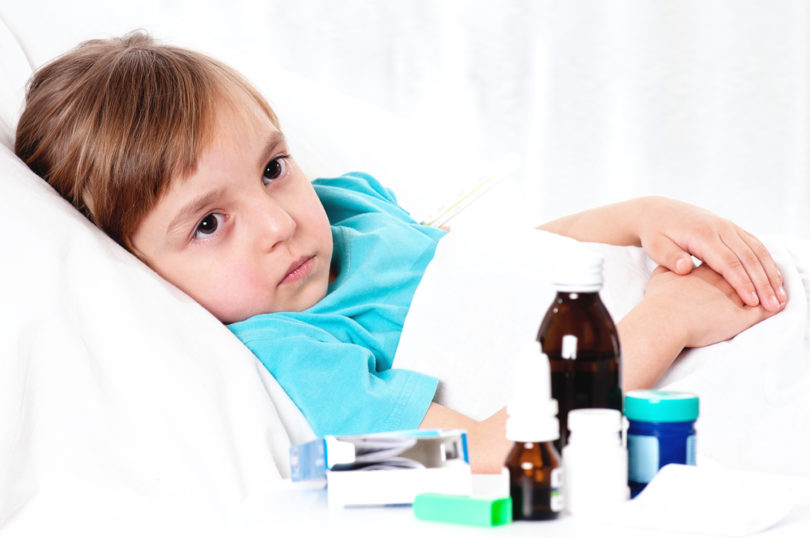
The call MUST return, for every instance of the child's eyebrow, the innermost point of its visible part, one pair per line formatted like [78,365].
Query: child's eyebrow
[191,209]
[275,140]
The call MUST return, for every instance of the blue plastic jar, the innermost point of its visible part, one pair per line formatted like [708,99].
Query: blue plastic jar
[661,431]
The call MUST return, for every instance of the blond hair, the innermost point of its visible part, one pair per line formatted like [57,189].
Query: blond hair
[113,121]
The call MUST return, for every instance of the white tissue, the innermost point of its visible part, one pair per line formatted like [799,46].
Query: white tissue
[712,500]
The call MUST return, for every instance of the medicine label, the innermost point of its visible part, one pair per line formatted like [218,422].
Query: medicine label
[643,458]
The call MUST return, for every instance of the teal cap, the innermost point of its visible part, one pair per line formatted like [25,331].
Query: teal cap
[660,406]
[462,509]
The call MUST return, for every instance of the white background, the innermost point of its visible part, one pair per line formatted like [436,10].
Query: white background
[705,101]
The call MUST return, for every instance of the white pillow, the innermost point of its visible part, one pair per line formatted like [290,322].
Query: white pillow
[14,73]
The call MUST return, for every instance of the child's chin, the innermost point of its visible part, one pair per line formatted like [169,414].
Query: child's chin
[306,298]
[309,301]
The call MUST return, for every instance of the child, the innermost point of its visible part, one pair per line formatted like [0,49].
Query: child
[178,159]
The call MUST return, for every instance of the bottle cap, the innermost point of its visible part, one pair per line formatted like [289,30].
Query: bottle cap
[661,406]
[578,269]
[595,421]
[532,411]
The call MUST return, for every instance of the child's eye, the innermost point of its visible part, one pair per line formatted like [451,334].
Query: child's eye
[208,225]
[274,169]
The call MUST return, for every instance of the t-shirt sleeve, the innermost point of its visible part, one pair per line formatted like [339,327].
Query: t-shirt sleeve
[336,386]
[357,193]
[360,182]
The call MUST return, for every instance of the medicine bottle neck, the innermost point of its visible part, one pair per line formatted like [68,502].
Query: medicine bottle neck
[578,295]
[572,301]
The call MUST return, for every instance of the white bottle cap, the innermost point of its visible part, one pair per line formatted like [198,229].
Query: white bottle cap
[532,411]
[578,269]
[595,422]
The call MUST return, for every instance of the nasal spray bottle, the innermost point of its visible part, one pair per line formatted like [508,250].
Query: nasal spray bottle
[534,465]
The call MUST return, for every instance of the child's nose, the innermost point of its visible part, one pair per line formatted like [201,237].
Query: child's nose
[272,223]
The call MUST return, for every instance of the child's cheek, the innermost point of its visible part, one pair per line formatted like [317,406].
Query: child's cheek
[237,292]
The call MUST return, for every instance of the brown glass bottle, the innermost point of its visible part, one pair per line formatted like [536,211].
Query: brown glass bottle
[580,339]
[535,480]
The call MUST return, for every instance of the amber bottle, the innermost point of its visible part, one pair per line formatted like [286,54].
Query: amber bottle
[581,341]
[535,480]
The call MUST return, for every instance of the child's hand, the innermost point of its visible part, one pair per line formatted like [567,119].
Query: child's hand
[702,307]
[673,231]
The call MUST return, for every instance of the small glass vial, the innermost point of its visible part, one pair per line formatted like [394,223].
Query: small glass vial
[661,431]
[534,465]
[580,339]
[595,462]
[535,481]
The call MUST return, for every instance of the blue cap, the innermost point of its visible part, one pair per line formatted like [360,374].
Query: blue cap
[661,406]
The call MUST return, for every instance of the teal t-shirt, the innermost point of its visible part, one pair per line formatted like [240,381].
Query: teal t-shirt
[335,359]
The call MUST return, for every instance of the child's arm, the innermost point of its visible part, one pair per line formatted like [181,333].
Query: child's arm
[677,312]
[672,231]
[486,439]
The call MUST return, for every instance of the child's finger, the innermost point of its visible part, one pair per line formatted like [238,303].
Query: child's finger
[724,259]
[755,259]
[772,273]
[666,252]
[742,264]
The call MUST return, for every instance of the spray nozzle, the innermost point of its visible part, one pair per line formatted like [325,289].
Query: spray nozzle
[532,411]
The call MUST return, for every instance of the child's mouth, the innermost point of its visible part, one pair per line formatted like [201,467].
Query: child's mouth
[299,269]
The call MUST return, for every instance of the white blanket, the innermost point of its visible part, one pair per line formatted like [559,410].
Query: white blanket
[486,291]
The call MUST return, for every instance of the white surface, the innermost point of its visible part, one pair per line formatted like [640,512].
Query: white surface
[710,500]
[304,510]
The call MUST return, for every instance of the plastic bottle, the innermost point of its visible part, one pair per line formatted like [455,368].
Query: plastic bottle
[534,465]
[595,462]
[580,339]
[661,431]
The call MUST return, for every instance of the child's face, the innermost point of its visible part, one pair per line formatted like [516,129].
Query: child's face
[245,233]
